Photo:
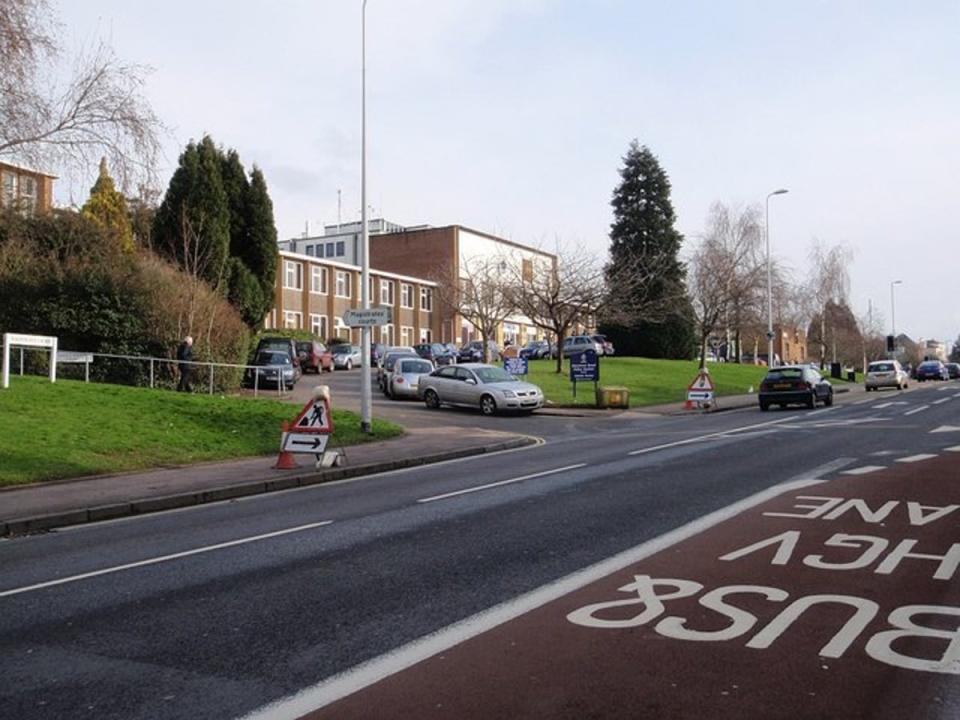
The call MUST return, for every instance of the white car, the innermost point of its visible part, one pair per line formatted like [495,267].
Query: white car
[885,373]
[488,387]
[403,380]
[346,357]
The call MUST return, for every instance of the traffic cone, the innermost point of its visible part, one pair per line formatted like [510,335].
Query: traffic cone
[285,461]
[689,405]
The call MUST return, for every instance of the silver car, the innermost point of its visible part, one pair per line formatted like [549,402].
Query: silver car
[346,357]
[488,387]
[885,373]
[403,380]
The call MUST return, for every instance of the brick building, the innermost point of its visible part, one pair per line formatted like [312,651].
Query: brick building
[28,190]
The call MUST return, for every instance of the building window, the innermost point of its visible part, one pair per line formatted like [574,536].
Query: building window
[426,335]
[28,193]
[309,250]
[370,295]
[341,249]
[320,250]
[292,319]
[426,298]
[8,193]
[406,335]
[386,334]
[344,284]
[318,325]
[318,280]
[386,292]
[293,275]
[342,331]
[406,295]
[330,247]
[528,270]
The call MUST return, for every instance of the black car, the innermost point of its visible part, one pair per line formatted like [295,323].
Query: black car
[473,352]
[377,351]
[932,370]
[272,368]
[794,384]
[953,370]
[436,353]
[280,344]
[535,350]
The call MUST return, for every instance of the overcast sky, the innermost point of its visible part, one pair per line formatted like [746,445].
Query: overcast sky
[511,116]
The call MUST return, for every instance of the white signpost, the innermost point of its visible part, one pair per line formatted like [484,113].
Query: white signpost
[372,317]
[37,341]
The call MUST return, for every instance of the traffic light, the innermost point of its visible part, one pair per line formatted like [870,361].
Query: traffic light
[891,344]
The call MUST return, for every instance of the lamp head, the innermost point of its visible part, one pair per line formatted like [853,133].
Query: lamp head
[781,191]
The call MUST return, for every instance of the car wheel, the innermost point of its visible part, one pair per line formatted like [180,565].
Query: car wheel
[488,406]
[812,400]
[828,400]
[349,365]
[431,399]
[764,406]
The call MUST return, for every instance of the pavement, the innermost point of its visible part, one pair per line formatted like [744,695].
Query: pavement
[43,506]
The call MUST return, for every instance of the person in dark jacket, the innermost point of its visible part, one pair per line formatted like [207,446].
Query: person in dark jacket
[185,355]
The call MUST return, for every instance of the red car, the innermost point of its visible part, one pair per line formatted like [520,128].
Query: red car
[314,357]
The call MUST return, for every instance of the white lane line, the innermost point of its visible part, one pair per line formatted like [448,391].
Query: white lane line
[915,458]
[163,558]
[941,400]
[863,402]
[821,411]
[863,470]
[882,405]
[916,410]
[501,482]
[957,395]
[955,448]
[350,681]
[711,436]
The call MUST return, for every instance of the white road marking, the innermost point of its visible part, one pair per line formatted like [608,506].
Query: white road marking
[863,469]
[946,428]
[821,411]
[915,458]
[944,389]
[863,402]
[882,405]
[350,681]
[501,482]
[163,558]
[941,400]
[957,395]
[955,448]
[916,410]
[711,436]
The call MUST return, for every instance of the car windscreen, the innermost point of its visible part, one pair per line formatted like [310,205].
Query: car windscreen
[341,349]
[273,358]
[415,366]
[785,374]
[930,365]
[880,367]
[493,375]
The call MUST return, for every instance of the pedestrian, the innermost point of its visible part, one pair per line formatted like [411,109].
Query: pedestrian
[185,356]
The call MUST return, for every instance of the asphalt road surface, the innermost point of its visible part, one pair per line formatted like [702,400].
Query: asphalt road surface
[741,564]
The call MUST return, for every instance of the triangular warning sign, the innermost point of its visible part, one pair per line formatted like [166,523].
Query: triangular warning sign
[315,417]
[702,382]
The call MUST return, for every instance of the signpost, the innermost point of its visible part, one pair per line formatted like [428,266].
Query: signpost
[584,367]
[516,365]
[372,317]
[37,341]
[700,393]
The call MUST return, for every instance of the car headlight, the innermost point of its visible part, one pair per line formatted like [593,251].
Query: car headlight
[509,394]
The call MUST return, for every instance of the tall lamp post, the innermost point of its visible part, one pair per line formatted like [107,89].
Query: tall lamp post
[893,313]
[766,226]
[366,400]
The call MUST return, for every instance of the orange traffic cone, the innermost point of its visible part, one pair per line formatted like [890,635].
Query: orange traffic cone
[689,405]
[285,461]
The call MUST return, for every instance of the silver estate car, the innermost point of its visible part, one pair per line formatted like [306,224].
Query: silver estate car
[885,373]
[403,380]
[346,357]
[488,387]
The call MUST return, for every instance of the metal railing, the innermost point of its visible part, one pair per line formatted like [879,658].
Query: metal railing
[157,371]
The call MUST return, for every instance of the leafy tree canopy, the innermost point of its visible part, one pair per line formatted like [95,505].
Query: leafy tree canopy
[107,207]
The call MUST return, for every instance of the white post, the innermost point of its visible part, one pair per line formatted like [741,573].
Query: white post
[53,361]
[366,400]
[6,360]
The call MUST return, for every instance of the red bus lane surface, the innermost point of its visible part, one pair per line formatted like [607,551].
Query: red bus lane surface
[838,600]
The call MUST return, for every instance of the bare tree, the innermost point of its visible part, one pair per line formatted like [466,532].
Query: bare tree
[711,275]
[828,283]
[99,110]
[481,294]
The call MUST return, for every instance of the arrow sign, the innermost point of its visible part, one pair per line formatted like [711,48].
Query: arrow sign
[305,443]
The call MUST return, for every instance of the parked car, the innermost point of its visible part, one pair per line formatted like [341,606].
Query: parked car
[435,353]
[473,351]
[885,373]
[535,350]
[279,344]
[272,368]
[953,370]
[376,353]
[389,360]
[794,384]
[604,343]
[488,387]
[579,343]
[404,379]
[932,370]
[314,356]
[346,356]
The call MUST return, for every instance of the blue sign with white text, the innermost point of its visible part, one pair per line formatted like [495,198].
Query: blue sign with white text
[585,366]
[516,366]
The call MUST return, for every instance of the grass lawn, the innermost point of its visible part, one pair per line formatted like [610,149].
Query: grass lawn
[70,429]
[650,382]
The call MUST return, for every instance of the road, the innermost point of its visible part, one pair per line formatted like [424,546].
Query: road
[219,610]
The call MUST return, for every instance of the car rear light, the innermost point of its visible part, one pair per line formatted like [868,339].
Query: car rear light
[399,381]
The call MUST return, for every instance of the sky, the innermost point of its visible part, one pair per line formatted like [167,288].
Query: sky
[512,117]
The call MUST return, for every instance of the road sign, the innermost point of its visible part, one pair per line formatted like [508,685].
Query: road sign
[65,356]
[701,389]
[305,442]
[314,418]
[585,366]
[374,317]
[516,365]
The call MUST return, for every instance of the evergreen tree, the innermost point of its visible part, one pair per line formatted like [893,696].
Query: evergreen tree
[192,225]
[643,239]
[261,254]
[107,207]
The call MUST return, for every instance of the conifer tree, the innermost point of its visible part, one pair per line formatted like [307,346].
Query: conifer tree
[107,207]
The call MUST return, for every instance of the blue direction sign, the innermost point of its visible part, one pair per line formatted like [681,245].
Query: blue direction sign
[585,366]
[516,365]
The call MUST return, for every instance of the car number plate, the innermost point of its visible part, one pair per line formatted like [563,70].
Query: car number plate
[781,386]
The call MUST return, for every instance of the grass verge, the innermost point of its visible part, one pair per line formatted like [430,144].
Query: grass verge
[70,429]
[650,382]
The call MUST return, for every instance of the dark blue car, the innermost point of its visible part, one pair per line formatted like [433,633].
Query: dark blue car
[932,370]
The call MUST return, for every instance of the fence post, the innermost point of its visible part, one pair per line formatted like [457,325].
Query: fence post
[86,372]
[256,381]
[21,361]
[211,378]
[151,373]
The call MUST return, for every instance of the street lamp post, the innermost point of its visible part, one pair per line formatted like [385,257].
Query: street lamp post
[366,400]
[893,314]
[766,226]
